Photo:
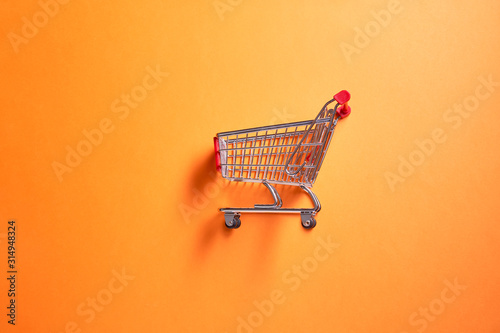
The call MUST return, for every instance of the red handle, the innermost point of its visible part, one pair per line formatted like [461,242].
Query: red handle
[343,97]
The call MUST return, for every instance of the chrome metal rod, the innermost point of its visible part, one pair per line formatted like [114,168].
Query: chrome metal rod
[314,198]
[267,210]
[277,199]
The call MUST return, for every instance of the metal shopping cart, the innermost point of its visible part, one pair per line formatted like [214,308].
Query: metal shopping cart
[289,154]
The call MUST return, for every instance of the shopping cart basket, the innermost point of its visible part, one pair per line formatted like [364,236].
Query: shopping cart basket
[289,154]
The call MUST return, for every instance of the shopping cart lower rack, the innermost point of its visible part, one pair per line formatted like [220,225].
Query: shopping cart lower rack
[289,154]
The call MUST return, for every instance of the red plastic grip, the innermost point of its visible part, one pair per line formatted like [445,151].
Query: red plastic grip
[217,153]
[343,111]
[342,97]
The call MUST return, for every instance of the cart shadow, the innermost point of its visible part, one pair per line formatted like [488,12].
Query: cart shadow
[204,172]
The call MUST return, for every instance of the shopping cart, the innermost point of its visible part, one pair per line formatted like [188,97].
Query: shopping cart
[289,154]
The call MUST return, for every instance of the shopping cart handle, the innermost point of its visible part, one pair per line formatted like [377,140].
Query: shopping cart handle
[342,97]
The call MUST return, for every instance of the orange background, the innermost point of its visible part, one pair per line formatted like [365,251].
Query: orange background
[145,200]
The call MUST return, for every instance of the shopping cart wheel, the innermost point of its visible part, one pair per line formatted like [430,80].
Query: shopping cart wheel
[308,221]
[236,222]
[232,220]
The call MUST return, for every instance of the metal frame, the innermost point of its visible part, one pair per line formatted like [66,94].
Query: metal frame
[232,215]
[289,154]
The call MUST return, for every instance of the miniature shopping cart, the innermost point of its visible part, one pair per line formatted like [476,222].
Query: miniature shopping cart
[289,154]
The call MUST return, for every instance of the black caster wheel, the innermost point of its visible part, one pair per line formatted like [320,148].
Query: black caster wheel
[309,223]
[233,223]
[236,222]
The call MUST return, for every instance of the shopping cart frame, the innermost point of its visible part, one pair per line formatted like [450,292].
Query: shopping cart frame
[299,170]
